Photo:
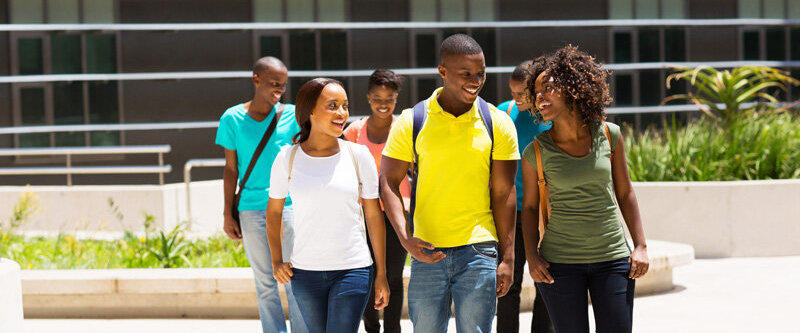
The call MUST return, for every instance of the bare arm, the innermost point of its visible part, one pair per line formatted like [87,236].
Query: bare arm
[230,178]
[629,206]
[377,236]
[392,173]
[504,209]
[530,224]
[281,270]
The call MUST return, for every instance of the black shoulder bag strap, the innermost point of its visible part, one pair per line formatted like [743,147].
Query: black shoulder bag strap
[254,160]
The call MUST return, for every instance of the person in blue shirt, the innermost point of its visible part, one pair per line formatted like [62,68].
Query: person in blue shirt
[528,127]
[240,130]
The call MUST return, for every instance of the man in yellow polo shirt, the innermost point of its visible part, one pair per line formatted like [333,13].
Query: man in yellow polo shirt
[458,215]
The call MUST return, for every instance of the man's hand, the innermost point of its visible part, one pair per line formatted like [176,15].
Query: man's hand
[538,269]
[415,246]
[381,292]
[505,277]
[231,228]
[282,271]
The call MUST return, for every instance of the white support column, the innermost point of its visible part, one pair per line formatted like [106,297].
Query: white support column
[10,297]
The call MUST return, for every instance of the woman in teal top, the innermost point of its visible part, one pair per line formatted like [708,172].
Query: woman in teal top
[583,247]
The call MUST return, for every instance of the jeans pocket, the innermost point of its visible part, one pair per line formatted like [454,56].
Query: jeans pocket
[488,250]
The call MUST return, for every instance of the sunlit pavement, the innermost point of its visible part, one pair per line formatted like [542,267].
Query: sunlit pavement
[712,295]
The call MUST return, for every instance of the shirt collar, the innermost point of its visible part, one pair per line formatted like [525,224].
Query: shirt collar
[435,107]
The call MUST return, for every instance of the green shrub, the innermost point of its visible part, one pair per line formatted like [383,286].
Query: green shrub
[759,145]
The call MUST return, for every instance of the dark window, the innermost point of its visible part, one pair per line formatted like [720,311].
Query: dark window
[795,44]
[674,45]
[489,91]
[101,53]
[649,46]
[751,45]
[103,103]
[29,53]
[271,46]
[294,84]
[426,50]
[650,87]
[623,89]
[776,44]
[676,87]
[333,51]
[33,113]
[68,109]
[425,88]
[486,39]
[622,47]
[302,47]
[66,53]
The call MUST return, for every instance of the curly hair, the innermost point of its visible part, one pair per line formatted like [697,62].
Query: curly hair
[581,79]
[386,78]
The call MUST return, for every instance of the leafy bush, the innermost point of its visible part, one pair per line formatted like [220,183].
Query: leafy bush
[759,145]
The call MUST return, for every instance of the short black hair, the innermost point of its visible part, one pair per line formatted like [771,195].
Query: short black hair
[459,44]
[521,71]
[266,63]
[386,78]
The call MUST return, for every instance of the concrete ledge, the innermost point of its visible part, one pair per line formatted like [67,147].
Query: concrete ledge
[222,292]
[10,297]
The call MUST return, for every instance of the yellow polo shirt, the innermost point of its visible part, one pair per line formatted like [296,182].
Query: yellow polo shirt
[452,207]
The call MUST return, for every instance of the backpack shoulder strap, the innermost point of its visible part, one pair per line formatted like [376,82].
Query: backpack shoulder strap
[292,153]
[486,116]
[608,137]
[544,200]
[349,148]
[420,114]
[510,107]
[260,148]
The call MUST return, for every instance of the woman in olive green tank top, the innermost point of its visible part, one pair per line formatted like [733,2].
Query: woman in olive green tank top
[583,247]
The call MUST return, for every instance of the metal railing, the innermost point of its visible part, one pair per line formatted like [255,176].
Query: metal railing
[398,25]
[187,177]
[69,169]
[367,72]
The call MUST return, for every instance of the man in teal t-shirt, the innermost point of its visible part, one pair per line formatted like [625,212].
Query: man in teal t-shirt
[519,108]
[240,131]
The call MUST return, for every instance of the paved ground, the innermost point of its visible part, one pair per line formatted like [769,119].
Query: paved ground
[712,295]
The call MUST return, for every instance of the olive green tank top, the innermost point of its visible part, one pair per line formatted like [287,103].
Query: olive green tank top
[584,225]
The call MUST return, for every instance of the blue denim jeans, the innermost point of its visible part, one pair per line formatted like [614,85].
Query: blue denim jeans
[254,235]
[332,301]
[607,284]
[467,277]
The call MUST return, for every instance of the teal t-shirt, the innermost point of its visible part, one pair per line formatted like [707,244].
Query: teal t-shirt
[238,131]
[527,129]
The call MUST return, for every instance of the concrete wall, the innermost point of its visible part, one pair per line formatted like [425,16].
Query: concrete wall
[10,296]
[719,219]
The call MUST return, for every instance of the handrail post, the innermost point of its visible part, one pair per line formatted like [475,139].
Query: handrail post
[69,165]
[161,163]
[187,179]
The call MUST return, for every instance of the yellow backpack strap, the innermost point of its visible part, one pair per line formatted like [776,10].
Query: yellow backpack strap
[608,137]
[544,203]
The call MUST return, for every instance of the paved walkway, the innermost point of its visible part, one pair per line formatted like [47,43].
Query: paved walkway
[712,295]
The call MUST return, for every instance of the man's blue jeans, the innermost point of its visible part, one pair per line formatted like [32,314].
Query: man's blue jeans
[466,276]
[254,235]
[332,301]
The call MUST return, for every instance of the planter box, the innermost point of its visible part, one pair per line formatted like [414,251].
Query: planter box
[222,292]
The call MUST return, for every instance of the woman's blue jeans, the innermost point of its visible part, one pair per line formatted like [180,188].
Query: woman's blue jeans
[607,284]
[332,301]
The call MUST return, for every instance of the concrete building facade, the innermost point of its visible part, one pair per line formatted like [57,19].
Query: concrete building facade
[148,101]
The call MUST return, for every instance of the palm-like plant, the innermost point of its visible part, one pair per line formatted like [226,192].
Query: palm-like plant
[722,94]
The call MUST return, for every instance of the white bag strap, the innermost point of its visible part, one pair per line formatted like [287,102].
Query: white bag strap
[291,160]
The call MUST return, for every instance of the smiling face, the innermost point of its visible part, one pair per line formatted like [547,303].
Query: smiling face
[519,95]
[549,101]
[270,84]
[331,111]
[382,101]
[464,76]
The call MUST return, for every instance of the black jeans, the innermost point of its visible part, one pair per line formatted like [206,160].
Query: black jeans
[508,305]
[395,262]
[609,287]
